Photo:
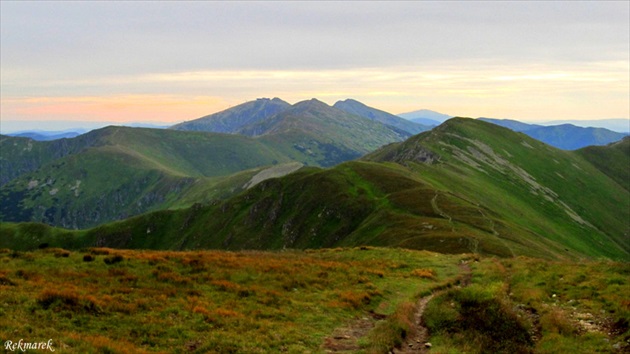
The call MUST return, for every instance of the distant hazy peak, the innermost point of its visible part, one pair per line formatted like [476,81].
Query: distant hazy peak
[427,114]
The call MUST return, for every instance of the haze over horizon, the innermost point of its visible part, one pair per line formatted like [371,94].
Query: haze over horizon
[169,62]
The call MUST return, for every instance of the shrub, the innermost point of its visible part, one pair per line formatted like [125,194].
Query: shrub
[113,259]
[389,333]
[62,253]
[479,315]
[88,258]
[67,299]
[355,299]
[555,321]
[424,273]
[6,281]
[171,277]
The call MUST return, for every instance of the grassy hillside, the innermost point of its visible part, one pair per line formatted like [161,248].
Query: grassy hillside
[23,155]
[127,171]
[360,300]
[563,136]
[466,186]
[612,159]
[554,194]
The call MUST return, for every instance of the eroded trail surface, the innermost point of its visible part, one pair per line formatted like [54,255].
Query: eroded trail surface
[346,339]
[417,339]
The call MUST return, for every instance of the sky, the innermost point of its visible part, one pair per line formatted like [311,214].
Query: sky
[167,62]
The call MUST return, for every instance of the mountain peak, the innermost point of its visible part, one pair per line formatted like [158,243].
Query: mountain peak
[423,115]
[235,118]
[309,105]
[312,101]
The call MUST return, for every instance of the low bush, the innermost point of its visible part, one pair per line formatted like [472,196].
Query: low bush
[113,259]
[424,273]
[479,315]
[67,299]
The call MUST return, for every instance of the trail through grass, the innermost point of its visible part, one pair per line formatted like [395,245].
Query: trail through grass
[105,300]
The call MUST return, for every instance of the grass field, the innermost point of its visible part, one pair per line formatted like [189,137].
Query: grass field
[524,305]
[105,300]
[102,300]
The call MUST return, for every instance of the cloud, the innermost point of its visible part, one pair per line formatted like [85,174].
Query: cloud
[552,59]
[535,91]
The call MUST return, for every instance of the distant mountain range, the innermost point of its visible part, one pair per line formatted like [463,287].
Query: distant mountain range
[42,135]
[616,125]
[467,186]
[310,132]
[116,172]
[565,136]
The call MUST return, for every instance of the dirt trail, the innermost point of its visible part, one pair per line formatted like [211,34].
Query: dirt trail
[345,339]
[419,335]
[417,339]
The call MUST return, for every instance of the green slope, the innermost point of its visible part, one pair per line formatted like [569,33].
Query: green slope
[128,171]
[563,136]
[555,194]
[467,186]
[613,160]
[115,172]
[22,155]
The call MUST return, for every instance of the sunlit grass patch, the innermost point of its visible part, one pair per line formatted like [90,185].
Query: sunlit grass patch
[205,301]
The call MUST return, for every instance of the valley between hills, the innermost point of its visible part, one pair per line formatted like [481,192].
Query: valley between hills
[272,227]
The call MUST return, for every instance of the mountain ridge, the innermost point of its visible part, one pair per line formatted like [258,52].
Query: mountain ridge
[484,189]
[355,107]
[564,136]
[232,119]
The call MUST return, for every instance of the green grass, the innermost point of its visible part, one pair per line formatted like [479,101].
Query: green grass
[124,172]
[528,305]
[100,300]
[204,301]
